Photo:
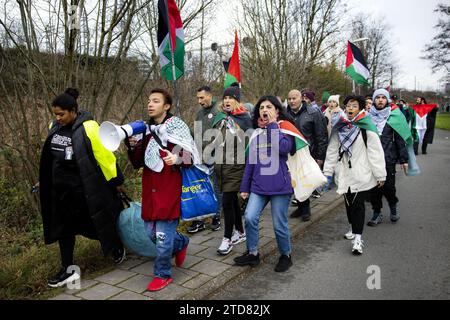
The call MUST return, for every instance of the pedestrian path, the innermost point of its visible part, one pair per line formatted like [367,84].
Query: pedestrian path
[203,272]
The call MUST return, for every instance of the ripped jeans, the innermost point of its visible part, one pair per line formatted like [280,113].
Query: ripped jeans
[168,241]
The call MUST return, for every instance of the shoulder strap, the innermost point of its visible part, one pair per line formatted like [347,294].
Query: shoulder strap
[364,135]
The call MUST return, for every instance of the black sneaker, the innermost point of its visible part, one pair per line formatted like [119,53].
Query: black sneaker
[196,226]
[119,255]
[215,224]
[284,263]
[62,277]
[247,259]
[316,194]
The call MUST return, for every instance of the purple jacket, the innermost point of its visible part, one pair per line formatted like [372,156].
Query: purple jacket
[266,171]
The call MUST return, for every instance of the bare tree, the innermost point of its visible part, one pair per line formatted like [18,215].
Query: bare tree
[376,50]
[438,50]
[287,39]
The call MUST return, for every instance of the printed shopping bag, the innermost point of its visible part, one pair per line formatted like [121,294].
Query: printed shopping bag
[198,200]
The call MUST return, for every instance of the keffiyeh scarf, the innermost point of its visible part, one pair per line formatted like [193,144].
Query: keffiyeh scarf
[380,117]
[175,131]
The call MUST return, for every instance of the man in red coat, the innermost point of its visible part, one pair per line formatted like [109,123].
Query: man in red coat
[161,186]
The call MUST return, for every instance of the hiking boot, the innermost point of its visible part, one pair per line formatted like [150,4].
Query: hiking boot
[119,255]
[196,226]
[158,283]
[247,259]
[349,235]
[377,218]
[225,247]
[284,263]
[238,237]
[394,214]
[357,246]
[62,278]
[215,224]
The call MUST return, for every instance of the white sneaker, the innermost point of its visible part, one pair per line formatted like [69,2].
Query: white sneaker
[357,246]
[349,235]
[238,237]
[225,247]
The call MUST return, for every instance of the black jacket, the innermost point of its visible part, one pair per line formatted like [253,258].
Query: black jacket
[100,196]
[312,125]
[394,147]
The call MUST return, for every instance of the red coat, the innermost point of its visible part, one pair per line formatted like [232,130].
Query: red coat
[161,191]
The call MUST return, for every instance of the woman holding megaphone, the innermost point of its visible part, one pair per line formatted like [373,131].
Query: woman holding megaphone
[79,181]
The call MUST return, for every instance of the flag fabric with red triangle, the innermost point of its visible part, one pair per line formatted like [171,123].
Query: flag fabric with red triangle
[233,73]
[423,109]
[170,40]
[355,65]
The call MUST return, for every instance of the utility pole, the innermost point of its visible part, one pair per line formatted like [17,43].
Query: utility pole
[392,76]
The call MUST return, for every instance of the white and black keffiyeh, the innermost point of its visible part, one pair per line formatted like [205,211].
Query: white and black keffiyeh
[175,131]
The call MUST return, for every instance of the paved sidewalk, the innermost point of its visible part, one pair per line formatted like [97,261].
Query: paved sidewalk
[203,272]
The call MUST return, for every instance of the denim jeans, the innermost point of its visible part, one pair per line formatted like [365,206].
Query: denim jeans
[168,241]
[216,192]
[280,206]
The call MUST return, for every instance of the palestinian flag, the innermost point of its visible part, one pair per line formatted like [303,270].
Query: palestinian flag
[363,121]
[233,69]
[170,40]
[423,109]
[397,121]
[288,128]
[355,65]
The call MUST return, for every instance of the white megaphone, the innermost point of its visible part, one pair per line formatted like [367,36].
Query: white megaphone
[111,135]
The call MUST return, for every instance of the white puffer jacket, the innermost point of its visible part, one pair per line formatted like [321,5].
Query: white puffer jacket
[367,164]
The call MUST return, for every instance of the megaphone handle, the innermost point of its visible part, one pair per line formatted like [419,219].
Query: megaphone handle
[127,143]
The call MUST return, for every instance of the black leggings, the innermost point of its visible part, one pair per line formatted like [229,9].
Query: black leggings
[232,213]
[356,210]
[66,247]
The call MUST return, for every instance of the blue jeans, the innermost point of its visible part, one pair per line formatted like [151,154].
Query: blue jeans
[168,241]
[216,192]
[280,206]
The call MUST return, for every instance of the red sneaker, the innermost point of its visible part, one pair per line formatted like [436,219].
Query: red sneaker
[180,256]
[158,283]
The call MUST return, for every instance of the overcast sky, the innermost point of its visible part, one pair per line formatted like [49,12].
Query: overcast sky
[412,23]
[412,26]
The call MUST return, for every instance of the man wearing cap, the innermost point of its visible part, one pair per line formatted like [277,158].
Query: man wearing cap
[394,131]
[312,124]
[205,116]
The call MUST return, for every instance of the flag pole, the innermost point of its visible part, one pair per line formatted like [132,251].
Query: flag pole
[175,90]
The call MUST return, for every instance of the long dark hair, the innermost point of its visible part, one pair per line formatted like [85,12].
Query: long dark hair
[282,114]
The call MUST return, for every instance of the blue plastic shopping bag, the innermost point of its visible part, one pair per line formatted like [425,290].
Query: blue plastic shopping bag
[132,231]
[198,200]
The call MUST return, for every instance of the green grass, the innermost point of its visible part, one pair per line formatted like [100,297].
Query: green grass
[443,121]
[26,265]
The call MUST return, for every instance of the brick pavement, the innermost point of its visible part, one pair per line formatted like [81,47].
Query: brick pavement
[203,272]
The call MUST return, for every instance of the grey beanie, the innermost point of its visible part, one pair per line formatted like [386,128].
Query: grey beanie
[382,92]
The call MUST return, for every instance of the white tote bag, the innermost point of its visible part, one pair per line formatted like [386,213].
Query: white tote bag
[306,175]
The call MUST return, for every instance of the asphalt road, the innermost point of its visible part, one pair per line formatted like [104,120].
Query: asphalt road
[412,257]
